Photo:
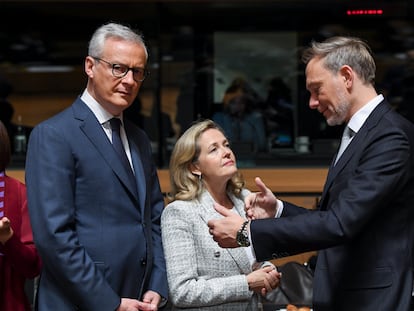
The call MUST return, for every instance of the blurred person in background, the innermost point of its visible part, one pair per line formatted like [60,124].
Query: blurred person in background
[19,260]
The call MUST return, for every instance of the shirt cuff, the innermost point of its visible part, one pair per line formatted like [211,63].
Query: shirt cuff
[279,208]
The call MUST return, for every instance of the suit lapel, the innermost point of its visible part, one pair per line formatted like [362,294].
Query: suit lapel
[208,212]
[136,156]
[356,142]
[93,130]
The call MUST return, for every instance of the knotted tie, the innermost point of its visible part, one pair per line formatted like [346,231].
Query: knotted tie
[346,138]
[118,145]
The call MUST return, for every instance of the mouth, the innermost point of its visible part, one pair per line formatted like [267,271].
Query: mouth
[228,163]
[324,112]
[124,93]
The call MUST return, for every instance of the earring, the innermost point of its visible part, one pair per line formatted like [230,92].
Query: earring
[199,177]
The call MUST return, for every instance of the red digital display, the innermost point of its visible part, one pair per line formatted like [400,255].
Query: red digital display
[365,12]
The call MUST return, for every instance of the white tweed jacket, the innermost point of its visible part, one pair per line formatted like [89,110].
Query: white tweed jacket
[201,274]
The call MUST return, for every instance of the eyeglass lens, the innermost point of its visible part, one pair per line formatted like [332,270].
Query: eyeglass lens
[121,71]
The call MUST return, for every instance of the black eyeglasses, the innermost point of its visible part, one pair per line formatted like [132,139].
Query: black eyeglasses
[120,71]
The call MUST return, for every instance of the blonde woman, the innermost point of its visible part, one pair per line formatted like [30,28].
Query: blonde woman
[201,274]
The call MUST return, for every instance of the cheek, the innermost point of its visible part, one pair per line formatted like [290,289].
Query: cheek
[136,89]
[105,87]
[211,163]
[328,96]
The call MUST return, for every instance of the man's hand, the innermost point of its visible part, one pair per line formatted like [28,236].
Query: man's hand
[6,231]
[150,301]
[262,204]
[128,304]
[224,230]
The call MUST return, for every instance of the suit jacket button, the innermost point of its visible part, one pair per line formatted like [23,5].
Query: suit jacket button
[217,254]
[143,262]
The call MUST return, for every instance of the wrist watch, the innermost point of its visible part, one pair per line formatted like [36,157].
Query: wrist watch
[242,236]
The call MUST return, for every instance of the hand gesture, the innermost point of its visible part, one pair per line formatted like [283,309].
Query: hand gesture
[262,204]
[224,230]
[6,231]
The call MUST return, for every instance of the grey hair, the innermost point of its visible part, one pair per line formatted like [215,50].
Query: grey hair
[339,51]
[113,30]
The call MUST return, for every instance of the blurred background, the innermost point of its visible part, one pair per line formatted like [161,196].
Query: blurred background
[236,61]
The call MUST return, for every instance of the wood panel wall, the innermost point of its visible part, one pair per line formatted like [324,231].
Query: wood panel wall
[301,186]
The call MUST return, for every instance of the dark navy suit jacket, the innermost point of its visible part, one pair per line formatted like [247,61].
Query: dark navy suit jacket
[98,236]
[363,228]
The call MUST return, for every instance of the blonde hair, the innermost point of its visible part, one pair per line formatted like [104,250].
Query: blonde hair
[184,184]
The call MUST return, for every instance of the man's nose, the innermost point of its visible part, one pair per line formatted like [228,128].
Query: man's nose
[313,102]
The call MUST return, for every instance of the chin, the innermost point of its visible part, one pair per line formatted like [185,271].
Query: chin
[233,169]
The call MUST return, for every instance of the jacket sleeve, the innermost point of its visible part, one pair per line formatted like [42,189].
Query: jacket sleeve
[20,247]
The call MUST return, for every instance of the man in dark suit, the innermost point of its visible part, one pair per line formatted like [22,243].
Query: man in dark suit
[364,225]
[96,219]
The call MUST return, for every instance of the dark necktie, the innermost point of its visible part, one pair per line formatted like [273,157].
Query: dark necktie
[118,145]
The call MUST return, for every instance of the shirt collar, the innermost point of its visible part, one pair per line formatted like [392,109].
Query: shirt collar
[100,113]
[359,118]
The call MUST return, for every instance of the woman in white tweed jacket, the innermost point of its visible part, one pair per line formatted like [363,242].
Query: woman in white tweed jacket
[201,274]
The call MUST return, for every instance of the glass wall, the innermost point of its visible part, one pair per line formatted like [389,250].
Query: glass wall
[237,62]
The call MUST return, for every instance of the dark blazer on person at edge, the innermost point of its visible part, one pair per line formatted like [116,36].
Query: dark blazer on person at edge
[358,270]
[364,230]
[98,234]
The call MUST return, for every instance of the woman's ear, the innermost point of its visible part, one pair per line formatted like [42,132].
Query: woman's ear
[194,169]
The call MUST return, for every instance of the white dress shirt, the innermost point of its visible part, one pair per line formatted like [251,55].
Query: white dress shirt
[103,117]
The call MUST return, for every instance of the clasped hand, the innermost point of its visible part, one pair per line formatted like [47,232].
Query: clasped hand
[264,280]
[149,302]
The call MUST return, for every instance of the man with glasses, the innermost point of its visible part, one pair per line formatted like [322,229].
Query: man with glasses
[93,191]
[120,71]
